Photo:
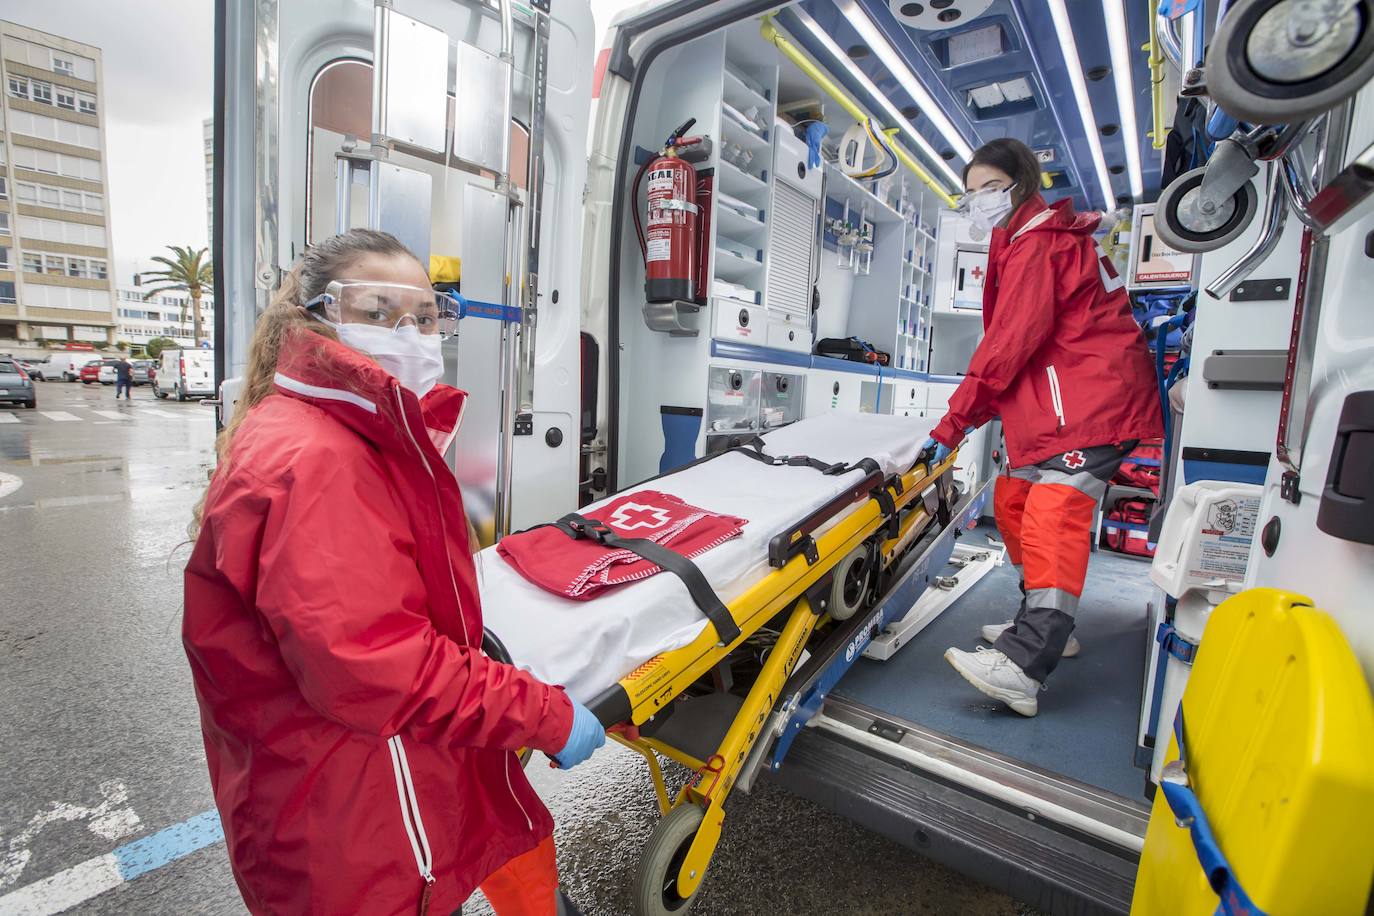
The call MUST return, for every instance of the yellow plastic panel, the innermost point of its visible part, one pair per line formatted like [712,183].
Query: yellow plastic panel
[1280,730]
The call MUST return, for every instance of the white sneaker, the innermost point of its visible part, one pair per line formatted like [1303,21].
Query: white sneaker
[997,676]
[994,630]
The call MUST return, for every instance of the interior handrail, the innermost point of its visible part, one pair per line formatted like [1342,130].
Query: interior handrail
[770,33]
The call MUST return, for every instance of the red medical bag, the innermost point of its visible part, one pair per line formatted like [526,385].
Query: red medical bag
[1125,527]
[1141,468]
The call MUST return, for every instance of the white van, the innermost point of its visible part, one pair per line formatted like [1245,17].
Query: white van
[65,366]
[185,374]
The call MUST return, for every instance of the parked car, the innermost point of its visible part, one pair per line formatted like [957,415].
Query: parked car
[107,370]
[65,366]
[15,385]
[185,374]
[144,372]
[90,372]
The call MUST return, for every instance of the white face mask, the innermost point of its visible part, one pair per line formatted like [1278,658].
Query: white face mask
[988,207]
[414,359]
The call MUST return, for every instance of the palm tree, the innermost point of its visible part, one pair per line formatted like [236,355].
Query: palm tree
[188,272]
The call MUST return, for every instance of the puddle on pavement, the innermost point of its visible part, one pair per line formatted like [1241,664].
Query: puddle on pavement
[53,502]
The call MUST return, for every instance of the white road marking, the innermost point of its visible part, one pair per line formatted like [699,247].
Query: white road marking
[65,889]
[111,819]
[61,416]
[7,417]
[8,484]
[112,414]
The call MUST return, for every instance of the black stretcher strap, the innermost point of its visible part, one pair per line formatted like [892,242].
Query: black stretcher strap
[579,527]
[754,449]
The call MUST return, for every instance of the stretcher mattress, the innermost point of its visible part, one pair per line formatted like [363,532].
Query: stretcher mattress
[587,646]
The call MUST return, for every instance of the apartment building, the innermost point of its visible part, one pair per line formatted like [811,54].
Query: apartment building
[55,280]
[164,315]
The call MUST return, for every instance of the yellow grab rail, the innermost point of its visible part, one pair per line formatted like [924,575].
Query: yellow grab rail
[1159,135]
[818,76]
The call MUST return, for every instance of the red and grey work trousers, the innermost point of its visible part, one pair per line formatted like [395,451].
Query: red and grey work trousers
[1045,515]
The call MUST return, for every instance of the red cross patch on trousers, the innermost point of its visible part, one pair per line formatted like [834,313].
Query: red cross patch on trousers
[1074,459]
[582,568]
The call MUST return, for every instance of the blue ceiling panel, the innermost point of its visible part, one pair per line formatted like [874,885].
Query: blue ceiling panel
[1047,120]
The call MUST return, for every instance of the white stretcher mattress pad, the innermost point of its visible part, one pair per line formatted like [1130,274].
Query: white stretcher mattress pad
[587,646]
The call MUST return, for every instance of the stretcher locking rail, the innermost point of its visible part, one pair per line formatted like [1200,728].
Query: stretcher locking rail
[733,694]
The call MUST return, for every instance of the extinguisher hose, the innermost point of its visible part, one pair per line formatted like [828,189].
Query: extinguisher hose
[634,209]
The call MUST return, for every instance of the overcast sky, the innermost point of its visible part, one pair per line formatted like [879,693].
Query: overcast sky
[159,61]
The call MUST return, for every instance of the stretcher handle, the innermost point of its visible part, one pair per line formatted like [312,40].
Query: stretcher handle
[494,648]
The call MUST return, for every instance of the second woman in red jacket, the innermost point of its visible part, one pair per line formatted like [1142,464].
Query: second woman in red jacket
[1064,365]
[361,746]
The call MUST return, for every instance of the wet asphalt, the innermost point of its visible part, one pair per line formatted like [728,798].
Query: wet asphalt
[100,740]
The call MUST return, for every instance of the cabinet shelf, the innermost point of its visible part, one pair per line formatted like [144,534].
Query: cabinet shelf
[736,182]
[733,223]
[732,267]
[742,95]
[750,138]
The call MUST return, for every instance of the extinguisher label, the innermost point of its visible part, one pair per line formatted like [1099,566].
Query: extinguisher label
[659,249]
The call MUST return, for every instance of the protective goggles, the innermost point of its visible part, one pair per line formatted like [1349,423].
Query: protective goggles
[388,305]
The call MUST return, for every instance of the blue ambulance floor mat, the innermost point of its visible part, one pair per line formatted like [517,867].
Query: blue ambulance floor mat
[1086,728]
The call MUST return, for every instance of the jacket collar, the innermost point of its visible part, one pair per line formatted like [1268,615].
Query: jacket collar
[359,393]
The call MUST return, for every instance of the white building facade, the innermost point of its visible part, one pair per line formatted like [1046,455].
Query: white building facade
[161,316]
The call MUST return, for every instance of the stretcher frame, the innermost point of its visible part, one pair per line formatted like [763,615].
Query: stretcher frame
[897,511]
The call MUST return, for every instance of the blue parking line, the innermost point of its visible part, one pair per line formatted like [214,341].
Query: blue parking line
[169,844]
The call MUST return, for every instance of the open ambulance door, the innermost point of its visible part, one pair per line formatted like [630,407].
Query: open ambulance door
[460,127]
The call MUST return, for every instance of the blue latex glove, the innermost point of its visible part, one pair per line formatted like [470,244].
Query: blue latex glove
[586,736]
[815,133]
[932,452]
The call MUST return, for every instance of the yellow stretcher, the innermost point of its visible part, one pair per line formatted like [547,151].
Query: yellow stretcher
[788,609]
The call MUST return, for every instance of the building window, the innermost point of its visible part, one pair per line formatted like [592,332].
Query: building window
[7,291]
[87,102]
[5,258]
[76,267]
[4,222]
[56,264]
[4,189]
[25,193]
[66,98]
[95,203]
[64,65]
[33,263]
[42,92]
[98,270]
[71,200]
[49,197]
[19,87]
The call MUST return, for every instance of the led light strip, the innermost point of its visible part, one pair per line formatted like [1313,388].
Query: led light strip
[899,68]
[1119,42]
[893,114]
[1074,65]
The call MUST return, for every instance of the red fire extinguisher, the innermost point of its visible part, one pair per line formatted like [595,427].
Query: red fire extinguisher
[669,240]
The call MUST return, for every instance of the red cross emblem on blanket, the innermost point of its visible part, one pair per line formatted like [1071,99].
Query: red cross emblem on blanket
[631,516]
[1074,459]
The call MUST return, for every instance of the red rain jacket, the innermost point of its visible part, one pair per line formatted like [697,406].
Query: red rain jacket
[1061,361]
[356,735]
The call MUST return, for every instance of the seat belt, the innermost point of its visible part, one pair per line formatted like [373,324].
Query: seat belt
[1187,808]
[1171,643]
[579,527]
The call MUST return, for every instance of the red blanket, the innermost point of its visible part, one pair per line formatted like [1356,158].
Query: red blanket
[581,568]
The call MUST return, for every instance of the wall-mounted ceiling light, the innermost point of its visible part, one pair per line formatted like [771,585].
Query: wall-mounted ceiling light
[899,68]
[1119,43]
[893,115]
[1074,66]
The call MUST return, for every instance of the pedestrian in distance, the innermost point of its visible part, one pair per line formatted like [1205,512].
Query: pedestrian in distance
[124,378]
[1065,366]
[363,749]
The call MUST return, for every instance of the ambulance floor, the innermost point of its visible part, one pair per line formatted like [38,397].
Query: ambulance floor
[1086,727]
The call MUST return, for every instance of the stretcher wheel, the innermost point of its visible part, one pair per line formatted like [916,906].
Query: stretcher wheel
[1267,68]
[1181,223]
[849,590]
[655,888]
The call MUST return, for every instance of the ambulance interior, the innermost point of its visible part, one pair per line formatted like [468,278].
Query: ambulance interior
[807,235]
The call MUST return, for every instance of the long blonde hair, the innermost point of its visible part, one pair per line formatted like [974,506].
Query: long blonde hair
[322,262]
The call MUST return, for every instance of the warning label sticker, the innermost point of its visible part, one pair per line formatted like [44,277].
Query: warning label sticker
[1224,542]
[658,249]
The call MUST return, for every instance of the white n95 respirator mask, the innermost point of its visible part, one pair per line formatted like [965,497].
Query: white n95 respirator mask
[415,360]
[987,208]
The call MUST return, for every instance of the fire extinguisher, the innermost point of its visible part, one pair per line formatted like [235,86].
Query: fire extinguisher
[670,238]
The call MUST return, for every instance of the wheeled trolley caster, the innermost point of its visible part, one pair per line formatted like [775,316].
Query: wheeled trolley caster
[1282,61]
[1188,223]
[658,887]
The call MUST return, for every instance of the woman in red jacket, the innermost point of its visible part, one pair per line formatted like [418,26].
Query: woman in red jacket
[1065,366]
[361,746]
